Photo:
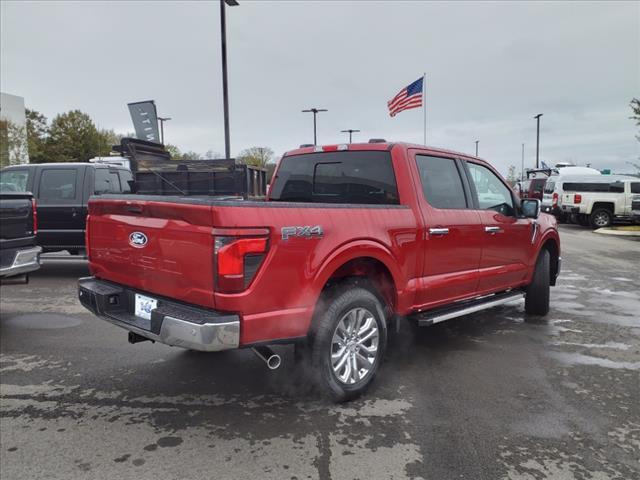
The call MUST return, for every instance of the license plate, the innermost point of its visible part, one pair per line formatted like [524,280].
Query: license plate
[144,305]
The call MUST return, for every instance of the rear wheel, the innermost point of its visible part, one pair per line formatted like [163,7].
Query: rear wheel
[348,343]
[601,218]
[537,293]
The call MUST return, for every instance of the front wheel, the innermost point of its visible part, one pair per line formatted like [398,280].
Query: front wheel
[348,343]
[537,294]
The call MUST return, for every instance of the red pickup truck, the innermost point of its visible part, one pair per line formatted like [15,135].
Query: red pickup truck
[350,238]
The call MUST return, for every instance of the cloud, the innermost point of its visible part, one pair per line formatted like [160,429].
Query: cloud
[490,67]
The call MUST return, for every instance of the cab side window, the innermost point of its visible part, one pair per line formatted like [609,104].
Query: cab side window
[106,181]
[490,192]
[57,184]
[126,179]
[441,182]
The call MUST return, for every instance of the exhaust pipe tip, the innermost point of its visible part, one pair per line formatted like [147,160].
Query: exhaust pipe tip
[268,356]
[274,361]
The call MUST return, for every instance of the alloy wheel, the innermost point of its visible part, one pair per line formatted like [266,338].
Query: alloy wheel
[354,346]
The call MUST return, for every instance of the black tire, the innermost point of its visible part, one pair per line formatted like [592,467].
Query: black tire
[537,293]
[342,301]
[601,218]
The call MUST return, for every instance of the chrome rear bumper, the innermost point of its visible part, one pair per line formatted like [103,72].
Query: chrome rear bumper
[171,323]
[26,260]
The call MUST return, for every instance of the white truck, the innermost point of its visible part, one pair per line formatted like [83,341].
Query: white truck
[600,200]
[553,188]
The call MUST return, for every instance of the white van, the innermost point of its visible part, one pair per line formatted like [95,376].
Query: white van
[552,193]
[599,201]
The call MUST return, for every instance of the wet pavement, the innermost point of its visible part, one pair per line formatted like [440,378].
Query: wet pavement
[487,396]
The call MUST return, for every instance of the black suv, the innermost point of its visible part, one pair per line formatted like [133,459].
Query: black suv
[62,191]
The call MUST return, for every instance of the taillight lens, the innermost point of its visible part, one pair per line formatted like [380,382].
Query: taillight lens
[577,198]
[237,260]
[555,199]
[35,216]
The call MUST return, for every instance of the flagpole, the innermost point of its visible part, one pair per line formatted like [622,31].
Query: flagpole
[424,105]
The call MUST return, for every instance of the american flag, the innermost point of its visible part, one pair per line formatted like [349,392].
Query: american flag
[408,97]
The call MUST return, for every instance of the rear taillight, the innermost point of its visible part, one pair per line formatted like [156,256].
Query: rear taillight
[577,198]
[35,216]
[237,260]
[555,199]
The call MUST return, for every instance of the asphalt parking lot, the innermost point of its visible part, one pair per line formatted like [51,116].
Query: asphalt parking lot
[487,396]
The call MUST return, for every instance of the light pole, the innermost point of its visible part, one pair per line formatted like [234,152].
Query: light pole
[537,117]
[315,112]
[477,141]
[225,90]
[522,171]
[162,120]
[350,132]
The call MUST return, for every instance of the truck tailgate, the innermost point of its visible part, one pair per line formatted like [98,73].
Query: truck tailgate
[157,247]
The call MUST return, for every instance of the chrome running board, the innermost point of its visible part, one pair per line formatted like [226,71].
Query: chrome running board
[438,315]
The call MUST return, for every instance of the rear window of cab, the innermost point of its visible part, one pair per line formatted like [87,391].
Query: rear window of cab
[348,177]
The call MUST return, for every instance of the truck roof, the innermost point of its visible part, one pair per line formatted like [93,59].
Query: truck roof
[65,164]
[376,147]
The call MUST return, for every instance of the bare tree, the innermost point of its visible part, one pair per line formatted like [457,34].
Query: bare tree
[256,156]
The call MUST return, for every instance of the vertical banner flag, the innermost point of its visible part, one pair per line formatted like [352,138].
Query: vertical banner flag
[145,120]
[408,97]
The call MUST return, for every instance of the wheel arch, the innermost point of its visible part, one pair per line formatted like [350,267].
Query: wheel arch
[364,259]
[552,245]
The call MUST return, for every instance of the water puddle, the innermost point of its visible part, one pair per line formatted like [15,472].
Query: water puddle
[612,345]
[581,359]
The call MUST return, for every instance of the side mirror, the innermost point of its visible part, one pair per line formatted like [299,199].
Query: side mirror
[530,207]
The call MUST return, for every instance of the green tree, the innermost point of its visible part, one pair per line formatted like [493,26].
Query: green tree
[37,132]
[191,155]
[256,156]
[73,137]
[108,138]
[13,143]
[174,151]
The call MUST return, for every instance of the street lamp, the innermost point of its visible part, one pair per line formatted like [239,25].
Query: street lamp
[225,91]
[315,112]
[350,132]
[537,117]
[477,141]
[162,120]
[522,170]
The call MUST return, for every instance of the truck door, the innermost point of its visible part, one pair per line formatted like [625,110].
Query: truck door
[452,234]
[507,239]
[60,207]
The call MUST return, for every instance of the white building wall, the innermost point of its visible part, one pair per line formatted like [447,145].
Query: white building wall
[12,109]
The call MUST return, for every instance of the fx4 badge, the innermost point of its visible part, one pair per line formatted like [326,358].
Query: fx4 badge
[303,232]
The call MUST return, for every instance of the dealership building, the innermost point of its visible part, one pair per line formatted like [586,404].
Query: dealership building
[13,134]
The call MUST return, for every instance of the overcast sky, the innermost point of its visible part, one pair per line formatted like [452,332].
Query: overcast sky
[490,68]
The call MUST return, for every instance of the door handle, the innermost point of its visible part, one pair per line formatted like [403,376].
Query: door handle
[74,212]
[493,230]
[438,231]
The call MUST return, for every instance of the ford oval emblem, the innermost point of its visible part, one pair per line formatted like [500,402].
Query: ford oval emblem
[138,239]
